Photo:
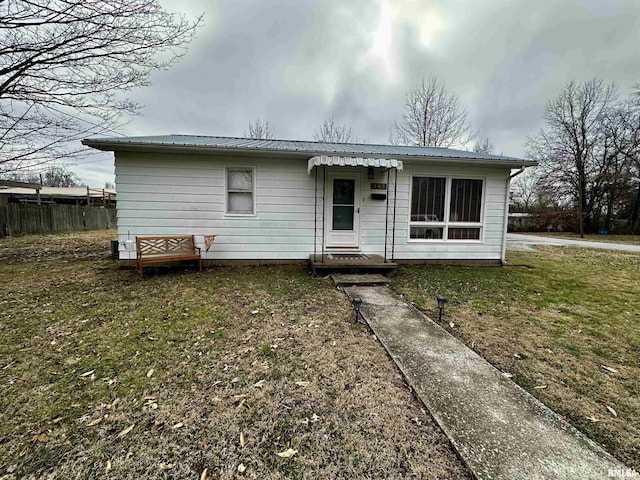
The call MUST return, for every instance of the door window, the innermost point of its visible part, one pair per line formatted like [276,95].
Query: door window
[343,203]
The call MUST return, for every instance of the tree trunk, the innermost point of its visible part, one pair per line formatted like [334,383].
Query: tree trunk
[635,211]
[581,208]
[609,214]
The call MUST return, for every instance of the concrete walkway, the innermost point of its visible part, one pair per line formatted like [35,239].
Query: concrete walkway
[499,430]
[519,242]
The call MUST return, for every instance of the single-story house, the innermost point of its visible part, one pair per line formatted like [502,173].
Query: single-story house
[280,201]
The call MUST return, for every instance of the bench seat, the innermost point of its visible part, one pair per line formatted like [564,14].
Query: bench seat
[161,249]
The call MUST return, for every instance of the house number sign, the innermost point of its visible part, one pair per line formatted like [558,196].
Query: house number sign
[378,186]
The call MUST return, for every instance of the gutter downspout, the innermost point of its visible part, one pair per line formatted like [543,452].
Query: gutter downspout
[395,198]
[513,175]
[324,201]
[503,258]
[386,219]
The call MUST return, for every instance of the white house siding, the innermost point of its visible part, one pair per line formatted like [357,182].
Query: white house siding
[162,194]
[374,215]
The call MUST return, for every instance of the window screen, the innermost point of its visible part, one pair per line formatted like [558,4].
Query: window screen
[240,191]
[464,233]
[427,199]
[466,200]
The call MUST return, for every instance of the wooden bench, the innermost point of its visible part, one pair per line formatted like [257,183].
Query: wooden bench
[166,249]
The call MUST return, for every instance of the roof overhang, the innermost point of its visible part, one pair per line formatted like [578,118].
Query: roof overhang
[262,149]
[12,184]
[332,161]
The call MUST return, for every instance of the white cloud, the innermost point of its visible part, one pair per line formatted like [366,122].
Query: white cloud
[298,62]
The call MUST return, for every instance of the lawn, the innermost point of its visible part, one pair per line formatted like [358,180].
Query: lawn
[564,322]
[189,375]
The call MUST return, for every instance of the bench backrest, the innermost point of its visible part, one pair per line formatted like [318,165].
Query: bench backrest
[165,245]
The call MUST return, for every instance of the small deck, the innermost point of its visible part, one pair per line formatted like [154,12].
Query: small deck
[350,263]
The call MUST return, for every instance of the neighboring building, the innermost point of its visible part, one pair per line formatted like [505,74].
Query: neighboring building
[521,222]
[277,200]
[59,195]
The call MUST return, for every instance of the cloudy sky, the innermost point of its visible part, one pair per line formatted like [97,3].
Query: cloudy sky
[296,63]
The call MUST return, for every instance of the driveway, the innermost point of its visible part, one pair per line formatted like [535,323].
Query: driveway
[525,243]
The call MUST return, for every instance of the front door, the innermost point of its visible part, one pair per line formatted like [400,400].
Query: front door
[343,211]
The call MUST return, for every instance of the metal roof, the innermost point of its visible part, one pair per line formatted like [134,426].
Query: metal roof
[294,146]
[58,191]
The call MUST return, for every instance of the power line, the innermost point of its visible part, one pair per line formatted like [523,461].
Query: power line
[86,121]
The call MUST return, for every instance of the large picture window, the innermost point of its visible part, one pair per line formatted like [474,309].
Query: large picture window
[240,182]
[446,208]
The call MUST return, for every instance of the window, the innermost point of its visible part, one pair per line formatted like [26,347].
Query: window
[445,208]
[240,182]
[466,197]
[343,203]
[427,207]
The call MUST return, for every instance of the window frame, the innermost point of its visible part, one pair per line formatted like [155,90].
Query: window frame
[253,170]
[447,223]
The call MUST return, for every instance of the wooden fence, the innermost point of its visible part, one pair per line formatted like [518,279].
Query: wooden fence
[18,219]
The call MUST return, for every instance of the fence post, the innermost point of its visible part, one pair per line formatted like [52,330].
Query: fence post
[4,223]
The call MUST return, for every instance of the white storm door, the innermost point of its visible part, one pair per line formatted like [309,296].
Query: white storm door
[343,211]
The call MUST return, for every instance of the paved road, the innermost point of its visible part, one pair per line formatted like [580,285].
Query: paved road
[519,242]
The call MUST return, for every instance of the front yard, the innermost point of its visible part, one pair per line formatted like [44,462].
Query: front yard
[106,376]
[564,322]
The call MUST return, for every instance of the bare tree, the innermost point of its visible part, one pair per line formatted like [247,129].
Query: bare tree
[567,147]
[333,132]
[525,190]
[58,176]
[622,128]
[483,147]
[54,176]
[64,65]
[259,130]
[432,117]
[618,153]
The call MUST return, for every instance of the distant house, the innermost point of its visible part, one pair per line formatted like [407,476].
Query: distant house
[59,195]
[282,201]
[521,222]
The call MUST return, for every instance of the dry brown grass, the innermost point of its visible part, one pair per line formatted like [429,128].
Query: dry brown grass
[553,319]
[231,350]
